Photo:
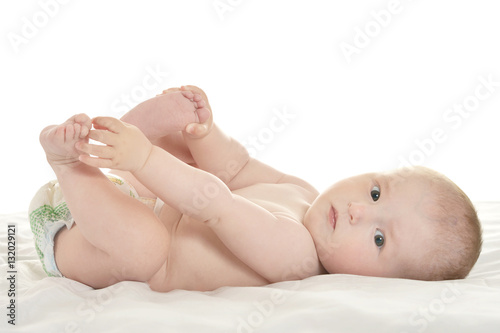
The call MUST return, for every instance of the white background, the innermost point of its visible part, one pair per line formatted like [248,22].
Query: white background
[351,114]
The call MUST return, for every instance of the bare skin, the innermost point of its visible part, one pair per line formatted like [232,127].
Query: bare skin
[116,237]
[231,221]
[167,113]
[105,217]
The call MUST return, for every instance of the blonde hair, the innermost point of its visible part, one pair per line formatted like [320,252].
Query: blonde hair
[457,240]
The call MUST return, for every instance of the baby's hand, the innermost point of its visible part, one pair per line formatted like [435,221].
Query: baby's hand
[204,126]
[126,147]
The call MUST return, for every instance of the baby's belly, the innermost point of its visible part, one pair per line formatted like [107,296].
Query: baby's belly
[198,260]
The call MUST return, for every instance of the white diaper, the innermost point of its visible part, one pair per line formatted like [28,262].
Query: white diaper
[48,213]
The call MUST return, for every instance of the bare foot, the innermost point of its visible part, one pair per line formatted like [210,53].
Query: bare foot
[166,113]
[204,125]
[197,91]
[58,141]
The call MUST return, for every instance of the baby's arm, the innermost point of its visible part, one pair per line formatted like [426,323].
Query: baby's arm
[225,157]
[127,148]
[275,246]
[269,244]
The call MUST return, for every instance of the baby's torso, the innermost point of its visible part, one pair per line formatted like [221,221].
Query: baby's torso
[198,260]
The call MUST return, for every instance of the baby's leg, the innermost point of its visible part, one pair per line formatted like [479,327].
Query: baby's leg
[115,237]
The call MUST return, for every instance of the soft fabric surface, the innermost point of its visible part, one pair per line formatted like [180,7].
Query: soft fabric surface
[334,303]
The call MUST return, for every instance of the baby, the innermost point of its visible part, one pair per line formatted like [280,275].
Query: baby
[186,207]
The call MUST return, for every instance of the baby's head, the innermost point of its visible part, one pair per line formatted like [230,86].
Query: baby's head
[411,223]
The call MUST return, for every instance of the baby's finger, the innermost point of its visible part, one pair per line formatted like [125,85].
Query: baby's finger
[108,123]
[95,162]
[96,150]
[103,136]
[196,130]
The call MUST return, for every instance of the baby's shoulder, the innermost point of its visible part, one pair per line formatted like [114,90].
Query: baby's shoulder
[288,179]
[283,198]
[286,188]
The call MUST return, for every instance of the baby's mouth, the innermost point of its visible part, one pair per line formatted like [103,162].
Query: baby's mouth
[332,217]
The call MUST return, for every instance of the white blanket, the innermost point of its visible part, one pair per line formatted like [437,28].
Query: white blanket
[329,303]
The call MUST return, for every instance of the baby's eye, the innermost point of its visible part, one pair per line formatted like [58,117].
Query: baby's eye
[379,239]
[375,193]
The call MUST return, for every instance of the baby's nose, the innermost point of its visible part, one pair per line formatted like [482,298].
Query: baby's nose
[357,212]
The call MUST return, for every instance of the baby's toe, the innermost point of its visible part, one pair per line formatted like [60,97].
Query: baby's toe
[197,97]
[77,128]
[188,94]
[58,135]
[203,114]
[69,133]
[83,120]
[200,104]
[84,132]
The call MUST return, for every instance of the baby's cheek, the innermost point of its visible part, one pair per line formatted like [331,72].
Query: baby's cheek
[352,259]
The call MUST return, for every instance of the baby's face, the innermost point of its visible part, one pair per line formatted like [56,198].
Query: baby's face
[369,224]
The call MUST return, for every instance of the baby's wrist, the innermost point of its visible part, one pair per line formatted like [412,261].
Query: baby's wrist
[144,161]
